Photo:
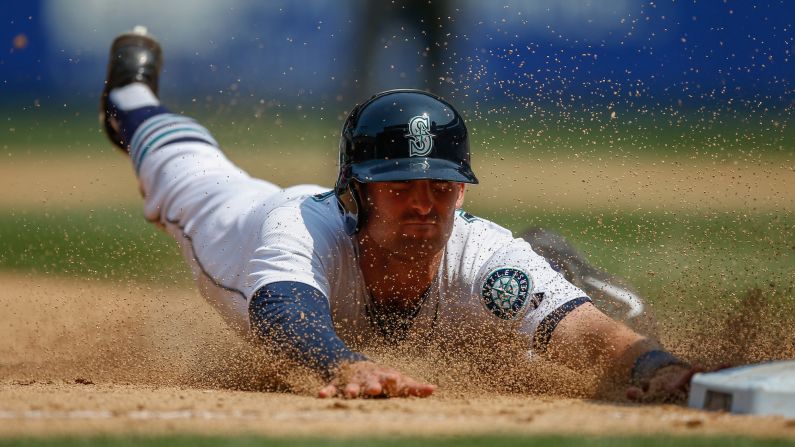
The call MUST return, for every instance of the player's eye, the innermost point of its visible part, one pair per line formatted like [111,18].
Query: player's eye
[397,187]
[439,186]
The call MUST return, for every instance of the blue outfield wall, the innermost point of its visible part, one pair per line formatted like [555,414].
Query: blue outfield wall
[567,55]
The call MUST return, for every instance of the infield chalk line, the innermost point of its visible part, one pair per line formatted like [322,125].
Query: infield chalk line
[171,415]
[142,415]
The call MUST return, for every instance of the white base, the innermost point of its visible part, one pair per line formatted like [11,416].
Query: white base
[764,388]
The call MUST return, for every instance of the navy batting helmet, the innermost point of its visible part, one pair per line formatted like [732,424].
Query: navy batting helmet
[400,135]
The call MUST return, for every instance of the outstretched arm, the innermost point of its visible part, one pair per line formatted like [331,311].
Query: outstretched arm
[297,319]
[587,339]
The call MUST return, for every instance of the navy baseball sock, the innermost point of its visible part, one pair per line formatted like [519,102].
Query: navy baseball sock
[130,106]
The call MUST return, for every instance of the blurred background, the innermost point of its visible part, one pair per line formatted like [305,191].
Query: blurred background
[657,135]
[533,55]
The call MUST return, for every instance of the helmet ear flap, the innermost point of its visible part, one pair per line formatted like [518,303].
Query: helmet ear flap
[350,205]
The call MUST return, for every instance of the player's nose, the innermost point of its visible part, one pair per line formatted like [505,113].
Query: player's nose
[422,197]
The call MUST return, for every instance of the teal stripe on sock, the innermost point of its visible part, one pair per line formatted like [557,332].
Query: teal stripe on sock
[186,126]
[148,124]
[163,135]
[154,122]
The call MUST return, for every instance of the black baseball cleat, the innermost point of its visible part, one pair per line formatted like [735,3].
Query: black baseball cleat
[135,56]
[609,293]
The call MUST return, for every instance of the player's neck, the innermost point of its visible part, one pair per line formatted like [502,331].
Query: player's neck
[397,281]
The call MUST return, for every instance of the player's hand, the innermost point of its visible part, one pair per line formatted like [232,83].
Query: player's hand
[669,384]
[368,379]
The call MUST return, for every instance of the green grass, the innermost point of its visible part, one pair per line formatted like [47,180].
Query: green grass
[473,441]
[258,128]
[106,243]
[713,253]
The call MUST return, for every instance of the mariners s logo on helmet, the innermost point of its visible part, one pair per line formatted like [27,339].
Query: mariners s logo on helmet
[505,292]
[420,137]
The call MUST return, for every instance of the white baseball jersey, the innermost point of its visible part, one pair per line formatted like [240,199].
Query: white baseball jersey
[240,234]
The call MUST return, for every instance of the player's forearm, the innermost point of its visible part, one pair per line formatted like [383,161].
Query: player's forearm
[297,319]
[586,339]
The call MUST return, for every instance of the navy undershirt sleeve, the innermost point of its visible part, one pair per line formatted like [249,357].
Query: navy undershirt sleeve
[297,318]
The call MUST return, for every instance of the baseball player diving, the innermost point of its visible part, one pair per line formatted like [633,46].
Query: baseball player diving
[388,256]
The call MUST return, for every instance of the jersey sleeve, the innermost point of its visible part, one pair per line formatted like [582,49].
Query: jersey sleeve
[508,283]
[294,246]
[517,284]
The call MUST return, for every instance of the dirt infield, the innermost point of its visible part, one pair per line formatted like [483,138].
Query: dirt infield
[86,357]
[621,183]
[80,356]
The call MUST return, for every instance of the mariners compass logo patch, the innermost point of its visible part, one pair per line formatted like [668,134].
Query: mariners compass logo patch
[505,292]
[420,136]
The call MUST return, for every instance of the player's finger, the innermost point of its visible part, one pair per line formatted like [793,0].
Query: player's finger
[682,382]
[373,387]
[390,383]
[424,390]
[417,389]
[635,394]
[352,390]
[327,391]
[390,378]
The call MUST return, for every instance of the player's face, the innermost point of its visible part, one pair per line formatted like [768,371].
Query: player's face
[412,219]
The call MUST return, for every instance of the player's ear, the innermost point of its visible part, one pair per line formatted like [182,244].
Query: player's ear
[462,187]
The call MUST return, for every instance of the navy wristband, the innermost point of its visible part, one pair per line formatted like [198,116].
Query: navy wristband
[649,362]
